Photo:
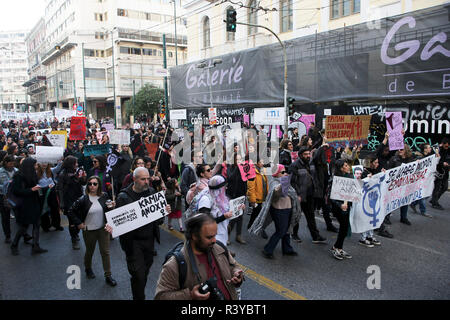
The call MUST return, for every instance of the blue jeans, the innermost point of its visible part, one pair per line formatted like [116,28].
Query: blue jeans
[404,213]
[421,203]
[281,218]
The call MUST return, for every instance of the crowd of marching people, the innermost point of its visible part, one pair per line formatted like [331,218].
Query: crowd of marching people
[83,189]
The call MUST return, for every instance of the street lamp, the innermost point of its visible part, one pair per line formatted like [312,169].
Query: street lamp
[204,65]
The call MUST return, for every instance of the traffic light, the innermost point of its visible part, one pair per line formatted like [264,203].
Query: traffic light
[231,20]
[290,101]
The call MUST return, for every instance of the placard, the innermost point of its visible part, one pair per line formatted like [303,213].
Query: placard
[119,136]
[61,132]
[234,207]
[49,154]
[96,149]
[247,170]
[57,140]
[347,129]
[78,128]
[179,114]
[137,214]
[394,127]
[346,189]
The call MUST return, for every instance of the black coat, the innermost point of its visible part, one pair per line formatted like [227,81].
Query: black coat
[148,232]
[304,180]
[30,210]
[69,188]
[80,209]
[285,158]
[236,186]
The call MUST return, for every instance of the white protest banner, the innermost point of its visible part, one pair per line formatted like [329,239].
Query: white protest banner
[234,207]
[388,191]
[269,116]
[178,114]
[57,140]
[64,113]
[346,189]
[119,136]
[49,154]
[137,214]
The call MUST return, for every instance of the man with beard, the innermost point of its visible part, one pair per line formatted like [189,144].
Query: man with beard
[304,181]
[138,244]
[206,261]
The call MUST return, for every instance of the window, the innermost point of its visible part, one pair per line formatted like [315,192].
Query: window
[98,17]
[252,17]
[128,50]
[122,13]
[95,73]
[286,15]
[170,54]
[231,36]
[343,8]
[206,33]
[99,35]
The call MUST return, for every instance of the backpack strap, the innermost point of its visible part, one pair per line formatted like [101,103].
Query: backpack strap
[224,248]
[182,268]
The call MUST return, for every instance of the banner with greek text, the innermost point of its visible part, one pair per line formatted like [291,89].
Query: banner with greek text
[137,214]
[388,191]
[346,189]
[347,129]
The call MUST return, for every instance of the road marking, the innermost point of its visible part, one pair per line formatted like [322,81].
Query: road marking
[272,285]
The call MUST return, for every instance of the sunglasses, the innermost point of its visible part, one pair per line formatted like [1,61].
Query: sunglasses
[283,172]
[93,184]
[95,161]
[208,170]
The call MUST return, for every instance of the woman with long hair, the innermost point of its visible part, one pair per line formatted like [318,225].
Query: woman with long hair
[99,170]
[28,210]
[49,203]
[88,214]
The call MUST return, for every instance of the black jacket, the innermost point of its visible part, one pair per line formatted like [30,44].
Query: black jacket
[30,210]
[397,161]
[69,188]
[79,210]
[236,186]
[304,180]
[148,232]
[285,158]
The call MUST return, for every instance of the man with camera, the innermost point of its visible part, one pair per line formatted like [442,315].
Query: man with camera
[211,273]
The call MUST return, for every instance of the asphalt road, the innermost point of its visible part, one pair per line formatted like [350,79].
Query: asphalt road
[415,264]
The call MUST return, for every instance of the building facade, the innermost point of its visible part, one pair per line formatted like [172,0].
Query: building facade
[95,50]
[13,70]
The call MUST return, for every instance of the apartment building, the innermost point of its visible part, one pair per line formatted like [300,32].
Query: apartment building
[13,70]
[289,19]
[115,43]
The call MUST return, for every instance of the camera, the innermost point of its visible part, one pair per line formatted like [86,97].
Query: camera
[210,285]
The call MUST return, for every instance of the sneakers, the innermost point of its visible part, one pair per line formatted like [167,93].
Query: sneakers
[90,273]
[427,215]
[374,241]
[366,243]
[319,240]
[385,233]
[296,238]
[437,206]
[405,221]
[75,244]
[345,254]
[38,250]
[171,228]
[336,254]
[240,240]
[110,281]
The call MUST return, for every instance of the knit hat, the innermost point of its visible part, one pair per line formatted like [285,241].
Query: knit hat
[279,169]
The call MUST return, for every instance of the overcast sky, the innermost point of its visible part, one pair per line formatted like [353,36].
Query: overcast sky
[20,14]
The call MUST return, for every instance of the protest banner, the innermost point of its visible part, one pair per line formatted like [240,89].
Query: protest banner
[234,207]
[247,170]
[78,128]
[302,122]
[108,126]
[64,113]
[119,136]
[390,190]
[394,127]
[346,189]
[270,116]
[247,119]
[137,214]
[294,156]
[342,130]
[178,114]
[96,149]
[57,140]
[212,114]
[49,154]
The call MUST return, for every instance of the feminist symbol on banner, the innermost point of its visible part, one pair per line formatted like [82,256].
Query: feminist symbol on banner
[372,201]
[112,160]
[247,170]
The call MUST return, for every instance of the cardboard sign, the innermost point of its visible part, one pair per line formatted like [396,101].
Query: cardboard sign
[57,140]
[394,127]
[234,205]
[108,126]
[96,149]
[137,214]
[119,136]
[78,128]
[247,170]
[347,128]
[346,189]
[49,154]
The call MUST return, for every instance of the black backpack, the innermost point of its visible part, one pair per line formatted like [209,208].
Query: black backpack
[181,261]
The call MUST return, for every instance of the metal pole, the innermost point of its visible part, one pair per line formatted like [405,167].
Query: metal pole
[84,81]
[166,96]
[134,95]
[74,93]
[57,83]
[176,39]
[114,80]
[286,122]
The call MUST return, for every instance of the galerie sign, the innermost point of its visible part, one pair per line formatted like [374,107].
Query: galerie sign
[137,214]
[388,191]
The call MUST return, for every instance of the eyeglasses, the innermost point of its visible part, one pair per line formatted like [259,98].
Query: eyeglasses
[93,184]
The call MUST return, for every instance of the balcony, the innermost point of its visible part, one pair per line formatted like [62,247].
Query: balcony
[51,53]
[147,36]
